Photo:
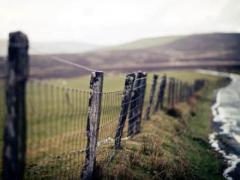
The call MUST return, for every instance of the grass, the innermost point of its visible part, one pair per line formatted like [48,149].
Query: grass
[57,121]
[170,147]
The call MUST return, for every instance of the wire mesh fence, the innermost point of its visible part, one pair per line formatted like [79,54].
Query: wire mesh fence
[111,102]
[64,129]
[56,120]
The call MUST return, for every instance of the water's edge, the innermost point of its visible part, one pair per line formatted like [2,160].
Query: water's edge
[226,125]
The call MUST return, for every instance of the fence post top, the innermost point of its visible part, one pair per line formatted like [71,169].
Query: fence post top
[18,58]
[131,75]
[97,73]
[18,39]
[138,74]
[96,79]
[155,76]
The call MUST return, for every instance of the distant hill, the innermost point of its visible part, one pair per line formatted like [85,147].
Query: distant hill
[146,43]
[215,46]
[209,41]
[215,50]
[53,47]
[206,42]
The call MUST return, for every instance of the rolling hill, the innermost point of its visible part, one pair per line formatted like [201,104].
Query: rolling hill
[146,43]
[213,50]
[63,47]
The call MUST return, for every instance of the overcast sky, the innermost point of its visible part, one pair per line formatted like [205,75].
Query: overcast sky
[116,21]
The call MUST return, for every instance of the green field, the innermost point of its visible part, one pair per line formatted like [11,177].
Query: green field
[56,120]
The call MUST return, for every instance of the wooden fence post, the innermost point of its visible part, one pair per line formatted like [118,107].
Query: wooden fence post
[134,105]
[141,102]
[93,121]
[127,93]
[191,90]
[181,91]
[151,96]
[173,93]
[177,90]
[185,91]
[161,92]
[169,92]
[14,148]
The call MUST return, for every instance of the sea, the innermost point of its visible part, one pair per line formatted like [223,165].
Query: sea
[226,123]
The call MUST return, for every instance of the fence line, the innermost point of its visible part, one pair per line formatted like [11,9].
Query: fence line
[53,131]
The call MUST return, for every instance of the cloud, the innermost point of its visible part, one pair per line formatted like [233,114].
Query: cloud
[114,21]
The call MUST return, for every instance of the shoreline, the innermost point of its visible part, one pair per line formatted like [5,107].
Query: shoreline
[223,141]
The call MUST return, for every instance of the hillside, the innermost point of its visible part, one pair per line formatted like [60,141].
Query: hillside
[63,47]
[216,50]
[146,43]
[218,46]
[212,41]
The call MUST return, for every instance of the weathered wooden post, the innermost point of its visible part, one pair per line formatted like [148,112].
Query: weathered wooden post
[134,105]
[169,92]
[181,91]
[152,92]
[93,121]
[141,102]
[173,94]
[184,92]
[176,91]
[187,92]
[195,85]
[198,84]
[163,88]
[161,92]
[127,93]
[14,148]
[191,89]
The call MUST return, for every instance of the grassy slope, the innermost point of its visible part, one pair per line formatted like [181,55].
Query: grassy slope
[170,148]
[56,125]
[146,43]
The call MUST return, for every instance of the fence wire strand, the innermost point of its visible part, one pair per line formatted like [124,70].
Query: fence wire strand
[57,120]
